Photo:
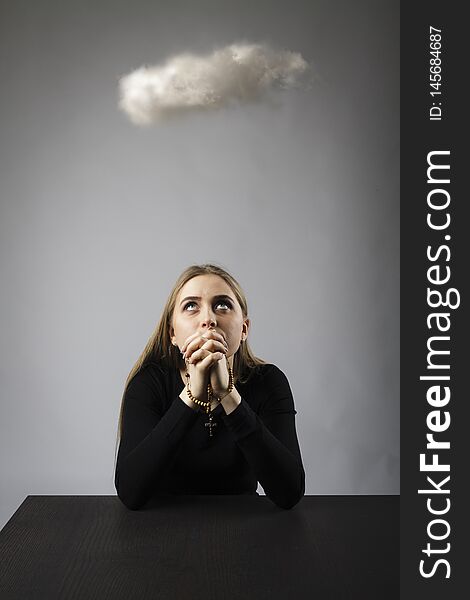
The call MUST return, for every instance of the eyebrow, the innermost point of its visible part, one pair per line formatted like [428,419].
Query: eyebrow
[217,297]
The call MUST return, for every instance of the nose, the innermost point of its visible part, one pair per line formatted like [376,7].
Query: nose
[208,319]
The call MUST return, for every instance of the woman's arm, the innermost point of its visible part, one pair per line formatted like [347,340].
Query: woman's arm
[149,439]
[269,440]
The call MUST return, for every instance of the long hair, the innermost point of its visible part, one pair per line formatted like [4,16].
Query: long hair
[160,349]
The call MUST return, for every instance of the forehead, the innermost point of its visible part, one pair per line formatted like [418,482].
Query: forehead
[209,284]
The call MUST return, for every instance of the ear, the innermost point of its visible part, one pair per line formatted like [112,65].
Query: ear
[172,335]
[245,328]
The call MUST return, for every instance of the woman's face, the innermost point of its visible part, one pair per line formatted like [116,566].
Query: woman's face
[207,301]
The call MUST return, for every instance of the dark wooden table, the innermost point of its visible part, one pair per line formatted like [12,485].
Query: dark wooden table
[201,547]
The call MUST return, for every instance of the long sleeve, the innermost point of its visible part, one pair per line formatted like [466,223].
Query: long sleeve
[149,440]
[269,441]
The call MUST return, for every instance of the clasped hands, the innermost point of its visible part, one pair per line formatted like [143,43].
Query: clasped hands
[204,354]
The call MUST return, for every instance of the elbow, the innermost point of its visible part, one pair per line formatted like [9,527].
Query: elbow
[130,499]
[292,496]
[288,502]
[130,503]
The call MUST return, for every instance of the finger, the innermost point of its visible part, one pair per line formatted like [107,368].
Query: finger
[210,346]
[191,347]
[202,353]
[193,344]
[221,338]
[196,337]
[211,359]
[188,340]
[215,346]
[215,335]
[201,342]
[197,356]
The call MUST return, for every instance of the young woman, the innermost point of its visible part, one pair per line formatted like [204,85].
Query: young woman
[200,414]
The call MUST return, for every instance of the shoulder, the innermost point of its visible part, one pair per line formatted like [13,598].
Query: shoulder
[269,375]
[150,388]
[269,390]
[151,376]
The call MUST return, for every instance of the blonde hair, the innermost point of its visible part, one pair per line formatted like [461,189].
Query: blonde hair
[160,349]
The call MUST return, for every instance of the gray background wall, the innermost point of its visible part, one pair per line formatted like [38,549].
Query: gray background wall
[300,201]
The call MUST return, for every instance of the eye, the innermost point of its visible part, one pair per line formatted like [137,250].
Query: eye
[224,302]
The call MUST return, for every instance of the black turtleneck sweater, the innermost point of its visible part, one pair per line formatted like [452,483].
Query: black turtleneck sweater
[165,447]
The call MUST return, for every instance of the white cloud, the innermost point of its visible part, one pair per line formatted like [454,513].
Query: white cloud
[236,73]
